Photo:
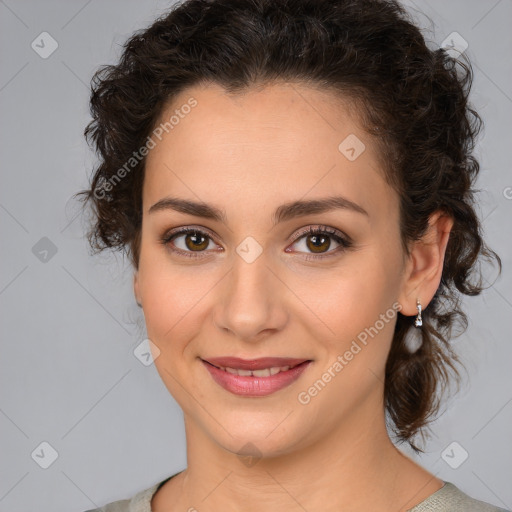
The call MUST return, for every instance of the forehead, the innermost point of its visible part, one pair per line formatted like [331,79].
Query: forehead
[269,144]
[280,114]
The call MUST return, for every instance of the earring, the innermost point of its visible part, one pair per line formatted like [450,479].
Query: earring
[418,322]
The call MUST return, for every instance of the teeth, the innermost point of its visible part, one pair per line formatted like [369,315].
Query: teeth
[265,372]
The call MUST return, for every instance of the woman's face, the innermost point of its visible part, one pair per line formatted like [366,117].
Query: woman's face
[255,283]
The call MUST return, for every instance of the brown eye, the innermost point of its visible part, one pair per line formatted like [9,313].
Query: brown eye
[196,241]
[318,243]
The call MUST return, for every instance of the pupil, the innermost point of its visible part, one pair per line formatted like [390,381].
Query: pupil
[319,241]
[195,237]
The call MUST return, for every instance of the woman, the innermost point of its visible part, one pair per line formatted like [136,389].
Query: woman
[292,182]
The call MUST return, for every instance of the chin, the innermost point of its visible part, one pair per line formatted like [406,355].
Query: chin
[259,438]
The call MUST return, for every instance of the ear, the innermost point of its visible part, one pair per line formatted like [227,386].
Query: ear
[424,266]
[136,288]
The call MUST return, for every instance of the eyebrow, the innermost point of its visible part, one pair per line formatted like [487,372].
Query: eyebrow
[283,213]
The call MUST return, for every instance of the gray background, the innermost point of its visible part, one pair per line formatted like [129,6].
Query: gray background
[70,325]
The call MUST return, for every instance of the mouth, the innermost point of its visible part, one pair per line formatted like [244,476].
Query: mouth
[263,363]
[256,377]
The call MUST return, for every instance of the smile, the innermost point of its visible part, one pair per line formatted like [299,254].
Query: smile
[265,372]
[256,382]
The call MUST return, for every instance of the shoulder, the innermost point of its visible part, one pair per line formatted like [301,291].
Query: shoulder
[114,506]
[140,502]
[451,499]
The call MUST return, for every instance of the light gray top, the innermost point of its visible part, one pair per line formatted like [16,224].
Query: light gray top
[447,499]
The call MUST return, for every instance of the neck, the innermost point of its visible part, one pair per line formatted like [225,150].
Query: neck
[356,467]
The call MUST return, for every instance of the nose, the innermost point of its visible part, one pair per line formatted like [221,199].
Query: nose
[250,302]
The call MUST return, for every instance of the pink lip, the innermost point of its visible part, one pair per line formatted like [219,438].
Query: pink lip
[256,386]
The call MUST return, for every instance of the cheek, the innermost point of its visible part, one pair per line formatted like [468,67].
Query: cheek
[343,301]
[175,301]
[173,313]
[169,304]
[350,314]
[177,298]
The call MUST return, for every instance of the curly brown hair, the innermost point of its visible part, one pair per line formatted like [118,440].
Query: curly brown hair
[415,99]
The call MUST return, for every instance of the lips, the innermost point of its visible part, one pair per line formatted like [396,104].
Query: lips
[253,364]
[255,377]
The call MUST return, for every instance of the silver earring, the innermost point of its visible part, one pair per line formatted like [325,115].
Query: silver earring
[418,322]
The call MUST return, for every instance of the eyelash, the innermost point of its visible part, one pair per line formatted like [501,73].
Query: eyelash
[344,241]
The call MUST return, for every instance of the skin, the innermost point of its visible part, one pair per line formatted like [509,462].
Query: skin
[249,154]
